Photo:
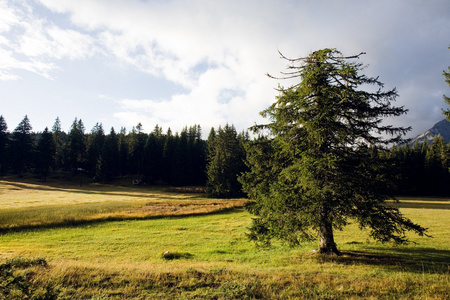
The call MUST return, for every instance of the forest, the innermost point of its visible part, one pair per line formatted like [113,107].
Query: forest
[177,159]
[183,159]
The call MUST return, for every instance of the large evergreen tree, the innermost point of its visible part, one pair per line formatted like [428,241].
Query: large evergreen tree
[316,170]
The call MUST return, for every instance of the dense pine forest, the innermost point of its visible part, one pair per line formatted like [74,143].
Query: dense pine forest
[183,159]
[177,159]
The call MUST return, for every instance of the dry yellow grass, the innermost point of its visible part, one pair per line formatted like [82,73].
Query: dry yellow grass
[28,194]
[31,204]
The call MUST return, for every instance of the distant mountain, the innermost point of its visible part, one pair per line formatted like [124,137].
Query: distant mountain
[441,128]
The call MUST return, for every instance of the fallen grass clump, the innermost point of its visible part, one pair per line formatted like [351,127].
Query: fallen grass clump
[169,255]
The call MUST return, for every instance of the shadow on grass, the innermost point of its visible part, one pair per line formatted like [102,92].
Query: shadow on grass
[103,190]
[416,260]
[422,202]
[422,205]
[85,222]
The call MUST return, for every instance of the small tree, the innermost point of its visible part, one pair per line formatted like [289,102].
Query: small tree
[316,169]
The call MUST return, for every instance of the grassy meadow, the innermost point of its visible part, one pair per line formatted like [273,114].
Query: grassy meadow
[62,241]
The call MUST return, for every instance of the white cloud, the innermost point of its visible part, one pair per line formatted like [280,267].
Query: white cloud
[32,43]
[170,38]
[7,76]
[8,18]
[70,43]
[219,51]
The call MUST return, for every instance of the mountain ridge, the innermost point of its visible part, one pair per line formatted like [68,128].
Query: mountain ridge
[441,128]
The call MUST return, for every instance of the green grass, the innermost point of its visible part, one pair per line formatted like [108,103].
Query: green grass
[209,256]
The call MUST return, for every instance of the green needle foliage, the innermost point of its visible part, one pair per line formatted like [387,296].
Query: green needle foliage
[319,165]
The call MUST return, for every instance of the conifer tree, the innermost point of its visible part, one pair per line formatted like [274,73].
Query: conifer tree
[76,146]
[226,156]
[197,156]
[22,146]
[436,168]
[169,156]
[108,164]
[45,151]
[123,152]
[95,143]
[153,157]
[136,148]
[315,171]
[3,143]
[58,141]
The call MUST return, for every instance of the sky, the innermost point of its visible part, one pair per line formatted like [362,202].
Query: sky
[179,63]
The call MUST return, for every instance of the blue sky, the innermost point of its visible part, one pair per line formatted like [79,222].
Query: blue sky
[180,63]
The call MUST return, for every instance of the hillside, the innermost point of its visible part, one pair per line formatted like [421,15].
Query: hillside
[441,128]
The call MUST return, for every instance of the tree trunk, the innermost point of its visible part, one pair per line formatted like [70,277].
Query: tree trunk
[327,244]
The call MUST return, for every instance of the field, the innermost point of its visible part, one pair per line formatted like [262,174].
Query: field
[62,241]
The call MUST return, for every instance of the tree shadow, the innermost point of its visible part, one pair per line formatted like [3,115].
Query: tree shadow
[71,223]
[415,260]
[103,190]
[423,205]
[422,202]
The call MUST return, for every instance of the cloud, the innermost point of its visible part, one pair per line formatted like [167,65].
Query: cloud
[219,51]
[32,43]
[190,45]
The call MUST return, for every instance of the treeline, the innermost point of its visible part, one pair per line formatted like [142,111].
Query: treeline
[183,159]
[171,158]
[177,159]
[422,169]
